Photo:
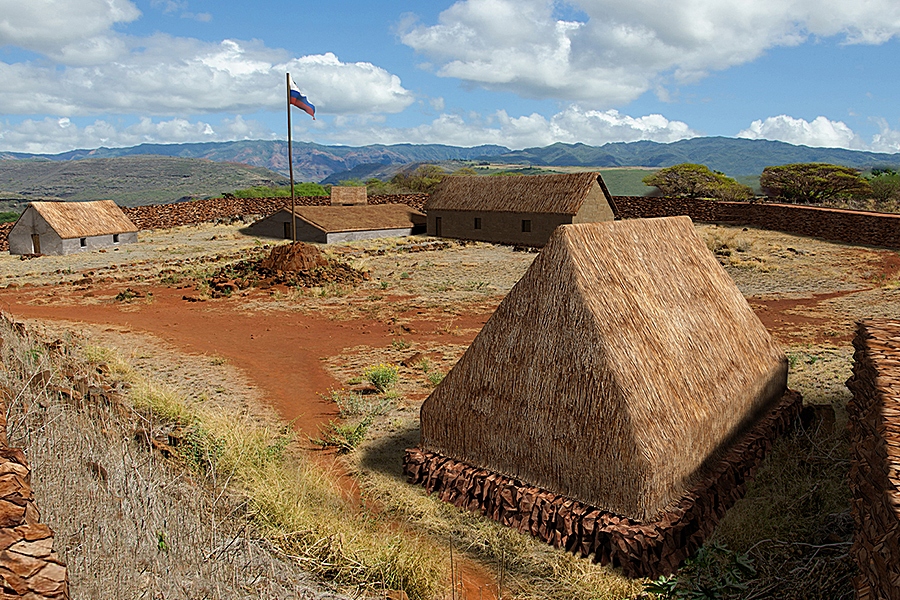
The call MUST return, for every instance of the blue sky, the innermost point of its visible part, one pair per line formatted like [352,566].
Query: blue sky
[520,73]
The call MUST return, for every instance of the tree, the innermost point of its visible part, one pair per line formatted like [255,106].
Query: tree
[885,184]
[423,180]
[812,183]
[688,180]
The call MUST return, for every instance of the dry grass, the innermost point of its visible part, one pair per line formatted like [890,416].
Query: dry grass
[246,518]
[530,568]
[129,523]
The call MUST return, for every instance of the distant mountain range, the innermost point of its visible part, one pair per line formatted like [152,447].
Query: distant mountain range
[312,162]
[168,172]
[129,180]
[317,162]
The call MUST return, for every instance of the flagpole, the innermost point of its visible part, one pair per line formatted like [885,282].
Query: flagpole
[287,81]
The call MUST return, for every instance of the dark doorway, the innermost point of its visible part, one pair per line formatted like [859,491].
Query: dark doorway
[437,226]
[35,243]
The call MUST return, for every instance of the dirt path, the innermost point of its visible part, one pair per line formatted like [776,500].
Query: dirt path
[785,318]
[281,352]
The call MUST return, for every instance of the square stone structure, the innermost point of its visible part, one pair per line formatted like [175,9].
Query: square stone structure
[70,227]
[348,195]
[622,363]
[519,210]
[331,224]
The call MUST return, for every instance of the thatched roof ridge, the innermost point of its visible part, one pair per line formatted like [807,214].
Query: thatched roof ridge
[335,219]
[556,194]
[621,363]
[84,219]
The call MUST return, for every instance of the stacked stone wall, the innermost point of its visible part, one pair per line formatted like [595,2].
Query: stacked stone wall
[844,226]
[874,424]
[831,224]
[647,549]
[163,216]
[29,568]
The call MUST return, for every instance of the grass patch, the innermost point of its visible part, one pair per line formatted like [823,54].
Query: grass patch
[295,505]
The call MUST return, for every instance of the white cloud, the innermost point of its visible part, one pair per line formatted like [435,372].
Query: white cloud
[99,71]
[820,132]
[52,136]
[163,75]
[572,125]
[54,27]
[623,49]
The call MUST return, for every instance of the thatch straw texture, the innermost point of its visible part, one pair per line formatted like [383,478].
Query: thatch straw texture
[622,362]
[556,194]
[345,195]
[333,219]
[84,219]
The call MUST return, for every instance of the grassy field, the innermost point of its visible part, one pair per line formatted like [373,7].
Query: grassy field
[238,504]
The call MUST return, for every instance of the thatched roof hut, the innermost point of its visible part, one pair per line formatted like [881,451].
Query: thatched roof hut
[67,227]
[622,362]
[330,224]
[516,209]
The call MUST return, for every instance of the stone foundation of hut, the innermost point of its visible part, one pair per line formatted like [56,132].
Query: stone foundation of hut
[641,549]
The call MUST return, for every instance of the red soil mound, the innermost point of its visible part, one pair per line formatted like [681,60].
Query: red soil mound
[291,258]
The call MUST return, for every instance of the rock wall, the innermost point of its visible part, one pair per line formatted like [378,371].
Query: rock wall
[162,216]
[844,226]
[29,568]
[874,424]
[4,231]
[646,549]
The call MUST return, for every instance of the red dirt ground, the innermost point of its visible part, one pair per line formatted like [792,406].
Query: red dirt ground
[778,316]
[279,352]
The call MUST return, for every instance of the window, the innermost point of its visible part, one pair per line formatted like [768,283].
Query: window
[526,225]
[477,222]
[83,242]
[115,238]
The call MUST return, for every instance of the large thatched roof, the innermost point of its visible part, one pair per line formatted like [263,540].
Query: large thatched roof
[335,219]
[622,361]
[84,219]
[557,194]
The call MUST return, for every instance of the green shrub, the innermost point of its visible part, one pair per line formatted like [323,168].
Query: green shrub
[382,376]
[714,573]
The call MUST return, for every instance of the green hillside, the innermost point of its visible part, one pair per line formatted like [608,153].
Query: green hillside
[130,181]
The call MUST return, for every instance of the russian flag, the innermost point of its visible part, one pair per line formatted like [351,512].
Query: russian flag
[300,101]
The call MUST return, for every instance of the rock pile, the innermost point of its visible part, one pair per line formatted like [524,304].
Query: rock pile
[298,264]
[648,549]
[874,424]
[29,568]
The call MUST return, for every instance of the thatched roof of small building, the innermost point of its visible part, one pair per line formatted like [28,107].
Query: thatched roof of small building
[335,219]
[622,361]
[84,219]
[556,194]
